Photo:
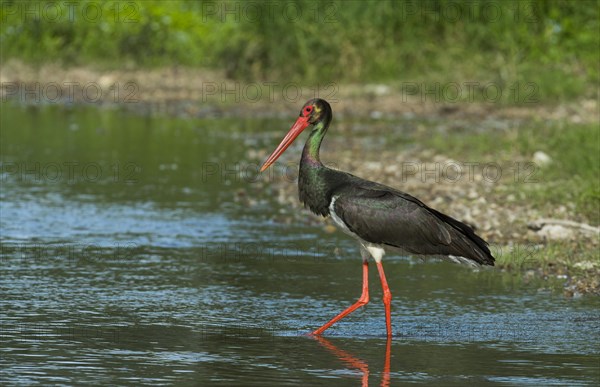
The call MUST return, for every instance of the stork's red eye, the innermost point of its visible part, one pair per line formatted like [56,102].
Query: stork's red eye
[308,109]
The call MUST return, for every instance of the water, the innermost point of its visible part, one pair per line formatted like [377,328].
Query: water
[147,250]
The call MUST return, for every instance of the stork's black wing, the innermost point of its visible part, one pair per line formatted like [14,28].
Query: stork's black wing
[382,215]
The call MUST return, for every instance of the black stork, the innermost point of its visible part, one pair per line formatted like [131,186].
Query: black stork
[378,216]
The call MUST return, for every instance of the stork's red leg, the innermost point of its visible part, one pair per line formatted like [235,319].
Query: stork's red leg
[363,300]
[387,299]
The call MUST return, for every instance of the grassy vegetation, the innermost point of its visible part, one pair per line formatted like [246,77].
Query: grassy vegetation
[575,261]
[556,253]
[551,46]
[572,177]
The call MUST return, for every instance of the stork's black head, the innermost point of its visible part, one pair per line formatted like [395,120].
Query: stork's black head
[316,112]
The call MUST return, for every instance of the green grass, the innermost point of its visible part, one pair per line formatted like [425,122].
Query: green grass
[575,173]
[555,253]
[577,261]
[551,46]
[572,177]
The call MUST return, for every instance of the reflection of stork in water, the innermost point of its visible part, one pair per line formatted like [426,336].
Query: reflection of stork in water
[355,363]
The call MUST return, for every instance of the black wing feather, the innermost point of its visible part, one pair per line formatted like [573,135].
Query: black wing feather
[382,215]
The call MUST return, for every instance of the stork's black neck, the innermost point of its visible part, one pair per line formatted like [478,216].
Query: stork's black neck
[315,183]
[310,153]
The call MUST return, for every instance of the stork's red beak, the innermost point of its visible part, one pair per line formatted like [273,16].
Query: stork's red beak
[300,124]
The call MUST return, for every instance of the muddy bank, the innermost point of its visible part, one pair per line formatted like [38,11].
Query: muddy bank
[205,93]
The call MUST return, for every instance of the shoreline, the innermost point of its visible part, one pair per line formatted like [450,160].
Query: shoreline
[188,92]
